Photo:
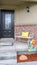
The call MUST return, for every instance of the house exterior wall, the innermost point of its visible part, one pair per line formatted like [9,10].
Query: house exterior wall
[23,17]
[25,21]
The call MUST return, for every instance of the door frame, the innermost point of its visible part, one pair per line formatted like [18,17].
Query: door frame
[3,10]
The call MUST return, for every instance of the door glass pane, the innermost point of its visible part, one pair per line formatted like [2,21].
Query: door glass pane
[7,21]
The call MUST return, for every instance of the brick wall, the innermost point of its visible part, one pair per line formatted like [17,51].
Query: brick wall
[32,29]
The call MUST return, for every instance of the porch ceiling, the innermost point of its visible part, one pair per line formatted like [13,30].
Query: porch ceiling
[15,2]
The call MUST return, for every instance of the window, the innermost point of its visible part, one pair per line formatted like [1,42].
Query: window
[7,20]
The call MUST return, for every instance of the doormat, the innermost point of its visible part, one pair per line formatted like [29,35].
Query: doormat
[26,57]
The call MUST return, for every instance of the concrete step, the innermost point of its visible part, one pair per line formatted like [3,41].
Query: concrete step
[7,48]
[6,40]
[10,61]
[6,43]
[8,54]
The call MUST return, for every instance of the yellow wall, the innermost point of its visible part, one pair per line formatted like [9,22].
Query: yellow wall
[23,17]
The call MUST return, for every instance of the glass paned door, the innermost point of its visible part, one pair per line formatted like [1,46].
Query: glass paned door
[8,24]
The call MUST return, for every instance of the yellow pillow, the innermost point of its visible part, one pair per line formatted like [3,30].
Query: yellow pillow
[25,34]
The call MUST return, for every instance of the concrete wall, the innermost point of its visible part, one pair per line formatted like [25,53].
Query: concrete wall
[23,17]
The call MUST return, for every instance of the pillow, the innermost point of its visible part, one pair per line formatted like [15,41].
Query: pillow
[25,34]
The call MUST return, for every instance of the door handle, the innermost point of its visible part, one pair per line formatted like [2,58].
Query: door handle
[4,31]
[9,31]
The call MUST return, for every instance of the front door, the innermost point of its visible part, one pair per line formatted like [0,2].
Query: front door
[7,24]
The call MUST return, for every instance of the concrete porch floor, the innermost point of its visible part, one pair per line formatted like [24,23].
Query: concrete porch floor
[8,54]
